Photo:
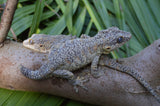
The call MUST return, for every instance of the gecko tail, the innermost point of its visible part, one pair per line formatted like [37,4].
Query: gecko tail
[31,74]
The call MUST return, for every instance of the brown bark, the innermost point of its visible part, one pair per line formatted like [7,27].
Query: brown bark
[6,18]
[112,88]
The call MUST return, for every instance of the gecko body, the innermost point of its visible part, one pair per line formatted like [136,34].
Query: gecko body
[43,43]
[73,54]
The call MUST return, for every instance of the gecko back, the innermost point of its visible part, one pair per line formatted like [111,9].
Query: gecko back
[42,43]
[76,53]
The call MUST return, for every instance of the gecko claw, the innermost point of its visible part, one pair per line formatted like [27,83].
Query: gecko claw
[79,82]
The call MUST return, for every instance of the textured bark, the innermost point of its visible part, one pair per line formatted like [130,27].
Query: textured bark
[6,18]
[112,88]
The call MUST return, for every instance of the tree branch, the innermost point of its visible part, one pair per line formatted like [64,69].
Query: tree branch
[6,19]
[112,88]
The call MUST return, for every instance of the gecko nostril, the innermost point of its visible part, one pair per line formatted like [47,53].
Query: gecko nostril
[41,45]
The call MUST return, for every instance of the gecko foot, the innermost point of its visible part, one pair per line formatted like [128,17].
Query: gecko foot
[95,73]
[79,82]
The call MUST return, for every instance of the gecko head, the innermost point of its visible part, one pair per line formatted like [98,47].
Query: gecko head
[37,43]
[113,38]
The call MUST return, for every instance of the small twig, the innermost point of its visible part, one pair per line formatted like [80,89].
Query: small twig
[14,35]
[6,18]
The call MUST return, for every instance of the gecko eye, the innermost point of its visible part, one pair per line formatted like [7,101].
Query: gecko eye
[108,48]
[120,40]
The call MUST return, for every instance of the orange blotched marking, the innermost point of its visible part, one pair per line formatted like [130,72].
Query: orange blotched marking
[95,47]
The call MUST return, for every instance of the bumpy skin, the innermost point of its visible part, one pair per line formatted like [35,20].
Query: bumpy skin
[42,43]
[74,54]
[115,65]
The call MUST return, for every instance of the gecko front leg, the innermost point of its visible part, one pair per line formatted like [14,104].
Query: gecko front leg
[94,66]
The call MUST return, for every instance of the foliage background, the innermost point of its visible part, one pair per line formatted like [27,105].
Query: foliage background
[140,17]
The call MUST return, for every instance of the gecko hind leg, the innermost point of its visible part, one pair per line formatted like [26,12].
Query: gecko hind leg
[70,76]
[62,74]
[79,81]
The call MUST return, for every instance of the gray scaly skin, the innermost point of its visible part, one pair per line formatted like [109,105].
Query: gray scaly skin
[42,43]
[77,53]
[115,65]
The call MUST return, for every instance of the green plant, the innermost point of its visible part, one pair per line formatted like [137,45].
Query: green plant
[140,17]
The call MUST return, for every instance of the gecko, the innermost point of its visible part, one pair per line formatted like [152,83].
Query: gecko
[42,43]
[68,56]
